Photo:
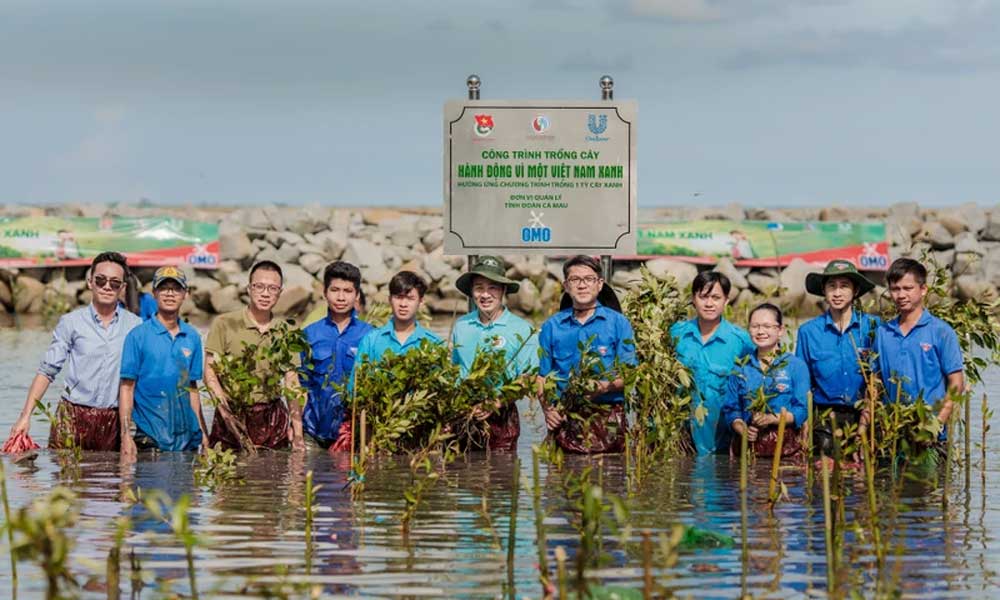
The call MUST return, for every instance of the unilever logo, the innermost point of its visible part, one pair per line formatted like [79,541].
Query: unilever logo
[540,124]
[536,231]
[597,124]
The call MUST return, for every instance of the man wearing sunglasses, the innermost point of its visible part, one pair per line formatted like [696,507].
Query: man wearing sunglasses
[88,342]
[270,423]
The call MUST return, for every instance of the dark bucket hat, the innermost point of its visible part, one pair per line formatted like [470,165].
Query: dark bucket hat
[815,282]
[490,267]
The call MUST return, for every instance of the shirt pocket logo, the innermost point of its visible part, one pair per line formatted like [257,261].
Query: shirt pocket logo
[926,347]
[602,350]
[186,352]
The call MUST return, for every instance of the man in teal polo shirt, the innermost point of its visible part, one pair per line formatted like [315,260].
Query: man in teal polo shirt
[919,357]
[709,346]
[402,333]
[493,328]
[161,366]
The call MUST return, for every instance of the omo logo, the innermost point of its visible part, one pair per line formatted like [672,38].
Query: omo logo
[871,258]
[536,231]
[200,256]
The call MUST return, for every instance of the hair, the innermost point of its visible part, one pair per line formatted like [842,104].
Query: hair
[267,265]
[111,257]
[903,266]
[706,280]
[133,294]
[342,270]
[767,306]
[584,261]
[404,281]
[362,301]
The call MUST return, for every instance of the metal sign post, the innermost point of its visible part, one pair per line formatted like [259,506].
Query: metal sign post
[607,93]
[473,82]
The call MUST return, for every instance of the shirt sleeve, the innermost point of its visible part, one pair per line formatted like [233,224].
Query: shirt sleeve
[801,345]
[799,402]
[215,341]
[58,350]
[545,350]
[197,361]
[131,357]
[950,351]
[626,343]
[731,409]
[364,349]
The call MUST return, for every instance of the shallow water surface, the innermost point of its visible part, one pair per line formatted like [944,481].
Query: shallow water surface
[252,534]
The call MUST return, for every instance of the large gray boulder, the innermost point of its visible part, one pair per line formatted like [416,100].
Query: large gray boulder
[225,299]
[763,283]
[935,234]
[726,267]
[991,232]
[312,263]
[28,295]
[991,267]
[793,280]
[974,288]
[966,242]
[684,273]
[234,244]
[332,242]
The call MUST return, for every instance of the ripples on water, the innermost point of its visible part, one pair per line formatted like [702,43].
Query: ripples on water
[254,533]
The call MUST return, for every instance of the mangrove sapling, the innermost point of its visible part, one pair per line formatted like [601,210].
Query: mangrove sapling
[658,387]
[310,508]
[176,515]
[41,534]
[987,415]
[873,509]
[515,493]
[774,492]
[540,541]
[216,466]
[113,572]
[560,553]
[744,510]
[10,531]
[831,565]
[423,474]
[258,373]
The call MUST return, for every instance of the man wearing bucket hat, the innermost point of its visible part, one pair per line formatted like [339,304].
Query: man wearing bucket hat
[589,318]
[492,327]
[161,366]
[836,347]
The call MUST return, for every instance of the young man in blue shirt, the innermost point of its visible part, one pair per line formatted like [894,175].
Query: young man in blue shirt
[764,384]
[919,357]
[334,342]
[161,366]
[402,333]
[493,328]
[709,346]
[834,347]
[587,321]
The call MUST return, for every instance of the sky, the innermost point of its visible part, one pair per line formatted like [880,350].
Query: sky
[760,102]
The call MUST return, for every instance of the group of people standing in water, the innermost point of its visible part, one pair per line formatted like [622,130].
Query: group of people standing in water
[133,384]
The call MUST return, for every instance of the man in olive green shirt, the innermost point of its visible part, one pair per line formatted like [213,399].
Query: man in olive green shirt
[270,423]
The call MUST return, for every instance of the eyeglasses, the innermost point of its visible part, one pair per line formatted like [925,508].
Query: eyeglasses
[589,280]
[170,289]
[764,327]
[263,287]
[100,281]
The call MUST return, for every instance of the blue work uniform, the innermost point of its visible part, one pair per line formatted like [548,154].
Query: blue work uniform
[786,384]
[163,367]
[509,334]
[147,306]
[834,358]
[333,354]
[562,333]
[917,365]
[710,364]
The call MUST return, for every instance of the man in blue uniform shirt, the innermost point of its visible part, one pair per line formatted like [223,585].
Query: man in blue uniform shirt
[161,366]
[919,356]
[834,347]
[590,322]
[334,342]
[709,346]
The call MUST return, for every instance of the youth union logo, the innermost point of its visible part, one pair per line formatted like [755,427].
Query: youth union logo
[540,124]
[597,124]
[536,231]
[484,125]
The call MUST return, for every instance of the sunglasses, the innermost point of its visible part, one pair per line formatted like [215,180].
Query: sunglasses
[100,281]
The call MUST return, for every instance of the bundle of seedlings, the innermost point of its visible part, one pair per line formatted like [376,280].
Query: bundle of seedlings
[258,374]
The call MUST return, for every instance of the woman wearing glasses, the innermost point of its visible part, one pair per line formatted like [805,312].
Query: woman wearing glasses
[88,342]
[767,386]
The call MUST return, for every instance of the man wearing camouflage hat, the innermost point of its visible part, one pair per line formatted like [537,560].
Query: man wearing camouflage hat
[492,327]
[834,347]
[161,366]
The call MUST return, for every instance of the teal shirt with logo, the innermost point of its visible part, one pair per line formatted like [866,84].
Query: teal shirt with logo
[509,334]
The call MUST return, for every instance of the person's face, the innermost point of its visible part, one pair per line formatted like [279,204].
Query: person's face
[404,306]
[106,282]
[582,284]
[169,296]
[710,302]
[839,292]
[907,294]
[765,330]
[488,295]
[265,289]
[341,296]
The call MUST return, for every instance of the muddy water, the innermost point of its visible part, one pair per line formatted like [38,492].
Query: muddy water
[253,533]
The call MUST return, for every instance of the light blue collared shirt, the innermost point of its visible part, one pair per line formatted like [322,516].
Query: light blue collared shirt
[94,354]
[509,334]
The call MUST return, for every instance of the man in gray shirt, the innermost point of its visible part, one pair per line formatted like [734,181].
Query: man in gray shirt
[88,341]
